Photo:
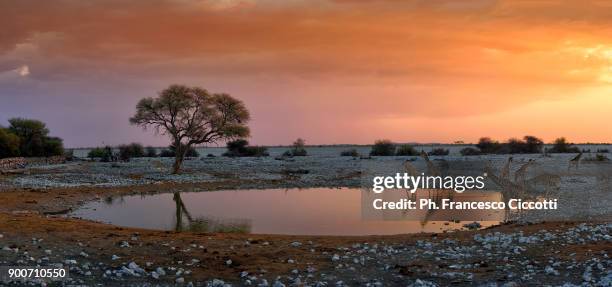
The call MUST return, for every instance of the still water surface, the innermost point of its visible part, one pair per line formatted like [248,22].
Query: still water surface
[312,211]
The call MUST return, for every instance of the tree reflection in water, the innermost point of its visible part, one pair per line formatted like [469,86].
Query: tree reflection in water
[205,224]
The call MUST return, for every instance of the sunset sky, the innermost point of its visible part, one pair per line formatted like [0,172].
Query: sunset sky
[343,71]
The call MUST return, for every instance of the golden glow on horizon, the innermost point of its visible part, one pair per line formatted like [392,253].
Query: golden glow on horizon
[429,71]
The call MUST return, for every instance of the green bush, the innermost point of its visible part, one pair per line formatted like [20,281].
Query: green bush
[383,148]
[34,140]
[53,146]
[350,152]
[298,148]
[126,152]
[9,144]
[150,151]
[97,152]
[468,151]
[439,151]
[105,154]
[192,152]
[241,148]
[406,150]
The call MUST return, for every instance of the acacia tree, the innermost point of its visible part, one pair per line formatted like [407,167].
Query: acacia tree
[192,116]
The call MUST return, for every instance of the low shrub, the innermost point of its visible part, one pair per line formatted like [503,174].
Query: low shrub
[257,151]
[126,152]
[167,153]
[406,150]
[299,152]
[192,152]
[383,148]
[298,148]
[469,151]
[171,152]
[150,151]
[598,158]
[529,144]
[241,148]
[439,151]
[487,145]
[105,154]
[350,152]
[562,146]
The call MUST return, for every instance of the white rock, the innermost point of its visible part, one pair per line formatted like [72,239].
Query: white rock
[135,267]
[551,271]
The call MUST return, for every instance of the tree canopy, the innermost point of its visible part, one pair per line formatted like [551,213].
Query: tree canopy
[192,116]
[28,138]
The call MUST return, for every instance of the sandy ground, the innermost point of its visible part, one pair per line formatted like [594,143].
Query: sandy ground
[34,232]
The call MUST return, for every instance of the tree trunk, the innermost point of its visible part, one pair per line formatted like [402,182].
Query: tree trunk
[179,212]
[179,157]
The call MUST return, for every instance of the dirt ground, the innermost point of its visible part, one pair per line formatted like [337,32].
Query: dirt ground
[31,223]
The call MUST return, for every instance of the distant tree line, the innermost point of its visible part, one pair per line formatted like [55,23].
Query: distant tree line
[528,145]
[28,138]
[388,148]
[134,150]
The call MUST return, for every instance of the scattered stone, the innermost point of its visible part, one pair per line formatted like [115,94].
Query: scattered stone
[473,225]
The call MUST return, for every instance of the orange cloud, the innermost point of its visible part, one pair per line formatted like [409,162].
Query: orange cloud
[344,61]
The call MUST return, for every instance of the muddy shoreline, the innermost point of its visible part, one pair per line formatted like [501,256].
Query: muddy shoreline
[34,232]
